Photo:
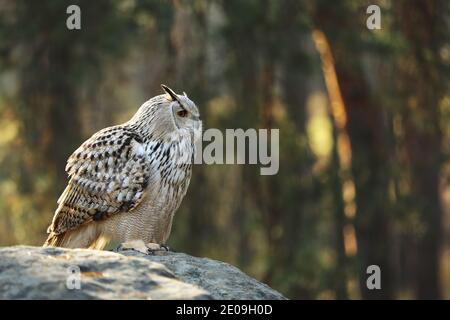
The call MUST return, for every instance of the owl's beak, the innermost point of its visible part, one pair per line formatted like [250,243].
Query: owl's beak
[170,92]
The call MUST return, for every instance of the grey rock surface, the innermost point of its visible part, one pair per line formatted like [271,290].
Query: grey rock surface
[220,279]
[46,273]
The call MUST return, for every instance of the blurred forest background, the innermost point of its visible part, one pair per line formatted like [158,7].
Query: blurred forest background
[364,118]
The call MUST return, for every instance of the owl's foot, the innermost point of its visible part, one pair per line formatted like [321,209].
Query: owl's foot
[154,248]
[140,246]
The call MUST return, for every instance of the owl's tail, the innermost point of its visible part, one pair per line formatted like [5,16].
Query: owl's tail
[87,236]
[54,240]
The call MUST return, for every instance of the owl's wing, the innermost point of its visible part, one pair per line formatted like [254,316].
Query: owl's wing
[108,174]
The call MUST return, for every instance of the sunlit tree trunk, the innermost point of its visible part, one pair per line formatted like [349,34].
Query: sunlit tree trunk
[369,155]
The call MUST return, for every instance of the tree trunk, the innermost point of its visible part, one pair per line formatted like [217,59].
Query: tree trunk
[422,87]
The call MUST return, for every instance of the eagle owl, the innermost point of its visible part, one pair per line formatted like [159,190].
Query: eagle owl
[127,181]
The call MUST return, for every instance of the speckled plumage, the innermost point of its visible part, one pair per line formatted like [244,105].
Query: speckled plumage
[127,181]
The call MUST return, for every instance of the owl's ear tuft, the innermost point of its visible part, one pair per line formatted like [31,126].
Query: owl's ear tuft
[170,92]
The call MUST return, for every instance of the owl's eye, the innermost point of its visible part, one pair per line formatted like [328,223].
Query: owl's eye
[182,113]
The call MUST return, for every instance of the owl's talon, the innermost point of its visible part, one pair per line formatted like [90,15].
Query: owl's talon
[135,245]
[153,248]
[119,248]
[165,247]
[141,247]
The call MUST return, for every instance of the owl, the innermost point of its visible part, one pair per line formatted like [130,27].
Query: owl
[127,181]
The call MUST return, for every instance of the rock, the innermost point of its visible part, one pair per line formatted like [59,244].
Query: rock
[220,279]
[42,273]
[46,273]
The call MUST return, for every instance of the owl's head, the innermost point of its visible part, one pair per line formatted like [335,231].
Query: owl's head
[169,113]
